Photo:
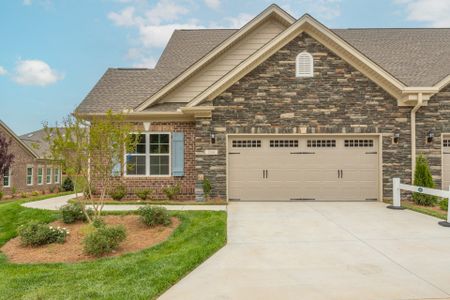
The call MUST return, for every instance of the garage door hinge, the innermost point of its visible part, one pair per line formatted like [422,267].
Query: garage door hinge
[234,153]
[303,152]
[372,152]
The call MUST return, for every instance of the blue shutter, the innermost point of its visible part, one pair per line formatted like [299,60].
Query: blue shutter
[177,154]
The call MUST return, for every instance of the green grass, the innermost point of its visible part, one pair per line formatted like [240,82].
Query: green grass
[142,275]
[425,210]
[155,202]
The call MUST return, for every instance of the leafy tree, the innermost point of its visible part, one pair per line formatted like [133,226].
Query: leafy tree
[6,157]
[422,177]
[90,152]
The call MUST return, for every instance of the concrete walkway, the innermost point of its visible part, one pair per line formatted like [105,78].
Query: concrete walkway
[317,250]
[57,202]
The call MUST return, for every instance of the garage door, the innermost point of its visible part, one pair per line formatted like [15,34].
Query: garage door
[446,162]
[303,168]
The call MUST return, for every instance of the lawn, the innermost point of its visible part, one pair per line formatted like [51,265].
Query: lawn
[141,275]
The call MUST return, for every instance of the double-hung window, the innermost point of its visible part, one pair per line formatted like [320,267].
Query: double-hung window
[29,175]
[40,175]
[48,178]
[7,178]
[151,156]
[56,175]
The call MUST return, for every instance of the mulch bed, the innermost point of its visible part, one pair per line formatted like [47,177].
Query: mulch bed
[139,237]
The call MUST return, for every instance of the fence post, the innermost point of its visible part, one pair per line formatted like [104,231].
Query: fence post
[395,194]
[447,223]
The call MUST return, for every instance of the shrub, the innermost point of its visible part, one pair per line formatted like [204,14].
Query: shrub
[443,204]
[37,234]
[104,240]
[119,192]
[206,188]
[98,222]
[67,185]
[73,212]
[13,191]
[145,194]
[1,195]
[34,193]
[171,191]
[51,189]
[154,216]
[23,195]
[422,177]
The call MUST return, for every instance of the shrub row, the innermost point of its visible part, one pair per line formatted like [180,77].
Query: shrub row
[171,192]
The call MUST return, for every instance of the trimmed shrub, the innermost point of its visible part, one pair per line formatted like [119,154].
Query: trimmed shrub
[23,195]
[73,212]
[206,187]
[422,177]
[98,222]
[37,234]
[34,193]
[443,204]
[171,191]
[119,192]
[104,240]
[67,185]
[145,194]
[154,215]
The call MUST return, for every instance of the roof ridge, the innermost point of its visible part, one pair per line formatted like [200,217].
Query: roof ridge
[389,28]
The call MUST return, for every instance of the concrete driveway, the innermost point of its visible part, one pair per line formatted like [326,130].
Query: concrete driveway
[319,250]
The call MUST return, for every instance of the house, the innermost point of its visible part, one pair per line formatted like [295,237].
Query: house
[286,109]
[32,170]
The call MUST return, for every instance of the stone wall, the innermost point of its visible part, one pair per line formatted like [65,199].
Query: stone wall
[338,99]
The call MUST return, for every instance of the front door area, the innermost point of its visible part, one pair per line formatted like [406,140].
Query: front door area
[299,167]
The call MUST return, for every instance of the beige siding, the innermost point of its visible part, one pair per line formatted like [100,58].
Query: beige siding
[225,62]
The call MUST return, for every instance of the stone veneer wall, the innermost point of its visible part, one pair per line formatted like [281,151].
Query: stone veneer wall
[187,182]
[338,99]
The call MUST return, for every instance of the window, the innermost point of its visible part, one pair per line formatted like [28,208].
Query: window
[358,143]
[246,144]
[29,175]
[40,175]
[56,175]
[151,156]
[304,65]
[321,143]
[283,143]
[7,178]
[48,178]
[446,143]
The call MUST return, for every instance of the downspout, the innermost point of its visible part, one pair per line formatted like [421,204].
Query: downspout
[413,134]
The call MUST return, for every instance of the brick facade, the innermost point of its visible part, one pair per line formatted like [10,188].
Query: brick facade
[22,159]
[338,99]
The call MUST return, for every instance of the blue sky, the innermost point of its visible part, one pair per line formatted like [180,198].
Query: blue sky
[52,52]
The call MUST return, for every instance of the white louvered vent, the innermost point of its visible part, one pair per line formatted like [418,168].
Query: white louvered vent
[304,65]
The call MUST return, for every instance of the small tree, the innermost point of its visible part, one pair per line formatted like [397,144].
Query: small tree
[90,153]
[6,157]
[422,177]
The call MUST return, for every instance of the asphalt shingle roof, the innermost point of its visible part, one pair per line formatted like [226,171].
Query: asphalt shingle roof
[417,57]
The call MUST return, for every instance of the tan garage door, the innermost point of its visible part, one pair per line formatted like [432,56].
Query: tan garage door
[445,162]
[303,168]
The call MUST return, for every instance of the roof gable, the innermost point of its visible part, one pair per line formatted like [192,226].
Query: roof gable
[18,140]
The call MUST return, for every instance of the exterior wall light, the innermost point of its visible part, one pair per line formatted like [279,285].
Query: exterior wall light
[396,137]
[430,136]
[213,138]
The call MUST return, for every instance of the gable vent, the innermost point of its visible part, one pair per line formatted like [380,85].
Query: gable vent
[304,65]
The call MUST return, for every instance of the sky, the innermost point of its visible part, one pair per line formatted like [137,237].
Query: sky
[52,52]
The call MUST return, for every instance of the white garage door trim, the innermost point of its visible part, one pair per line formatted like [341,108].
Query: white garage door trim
[445,135]
[261,135]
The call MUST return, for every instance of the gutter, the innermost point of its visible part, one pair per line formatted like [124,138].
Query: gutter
[413,134]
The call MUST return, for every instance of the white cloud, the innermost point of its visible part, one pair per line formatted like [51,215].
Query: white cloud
[165,10]
[27,2]
[240,20]
[157,36]
[213,4]
[2,71]
[35,72]
[124,18]
[435,13]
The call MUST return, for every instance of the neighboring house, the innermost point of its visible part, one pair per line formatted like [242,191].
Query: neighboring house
[31,169]
[286,109]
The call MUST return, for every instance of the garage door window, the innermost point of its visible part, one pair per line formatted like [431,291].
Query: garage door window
[321,143]
[358,143]
[283,143]
[246,144]
[446,143]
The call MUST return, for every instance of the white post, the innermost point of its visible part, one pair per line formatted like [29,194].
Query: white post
[448,210]
[396,192]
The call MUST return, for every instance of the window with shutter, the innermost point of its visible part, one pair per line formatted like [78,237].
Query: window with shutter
[304,65]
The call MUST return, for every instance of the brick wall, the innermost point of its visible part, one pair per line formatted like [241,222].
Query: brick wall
[338,99]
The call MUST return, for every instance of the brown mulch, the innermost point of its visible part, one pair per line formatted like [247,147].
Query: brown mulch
[139,237]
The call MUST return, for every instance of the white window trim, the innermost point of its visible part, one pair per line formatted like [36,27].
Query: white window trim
[56,175]
[51,175]
[32,176]
[297,65]
[42,175]
[147,156]
[9,179]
